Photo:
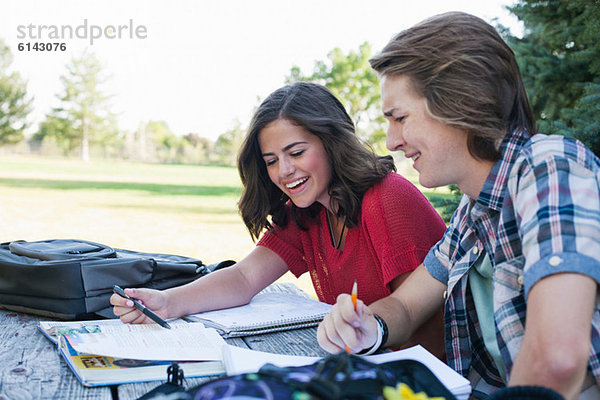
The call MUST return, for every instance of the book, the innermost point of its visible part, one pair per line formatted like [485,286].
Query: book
[266,312]
[94,370]
[126,356]
[238,360]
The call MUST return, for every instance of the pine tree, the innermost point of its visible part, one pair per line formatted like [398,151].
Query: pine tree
[559,56]
[14,104]
[83,116]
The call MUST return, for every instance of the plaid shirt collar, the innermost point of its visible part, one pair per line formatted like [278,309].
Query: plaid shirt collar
[494,189]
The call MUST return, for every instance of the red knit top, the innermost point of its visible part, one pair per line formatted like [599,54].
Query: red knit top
[396,228]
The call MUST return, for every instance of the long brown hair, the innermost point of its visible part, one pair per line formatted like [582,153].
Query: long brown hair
[467,74]
[354,167]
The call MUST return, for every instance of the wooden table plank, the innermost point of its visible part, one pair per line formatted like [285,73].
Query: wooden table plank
[299,342]
[31,368]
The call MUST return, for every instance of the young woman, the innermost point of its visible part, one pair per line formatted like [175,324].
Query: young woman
[518,268]
[329,207]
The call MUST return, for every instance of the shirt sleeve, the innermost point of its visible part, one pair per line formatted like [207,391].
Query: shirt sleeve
[556,200]
[401,224]
[286,243]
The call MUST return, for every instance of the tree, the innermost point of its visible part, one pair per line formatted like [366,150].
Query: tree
[83,117]
[446,204]
[166,143]
[61,130]
[14,104]
[228,144]
[353,81]
[196,149]
[559,56]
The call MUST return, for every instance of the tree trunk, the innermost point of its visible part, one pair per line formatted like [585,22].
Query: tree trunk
[85,142]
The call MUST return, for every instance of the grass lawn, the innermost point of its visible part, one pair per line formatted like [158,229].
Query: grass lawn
[177,209]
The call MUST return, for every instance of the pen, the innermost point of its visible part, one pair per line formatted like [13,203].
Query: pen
[354,295]
[145,310]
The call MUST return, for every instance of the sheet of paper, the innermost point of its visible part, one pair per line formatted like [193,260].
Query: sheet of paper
[238,360]
[192,342]
[444,373]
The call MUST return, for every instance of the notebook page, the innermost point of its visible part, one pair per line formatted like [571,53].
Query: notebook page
[266,310]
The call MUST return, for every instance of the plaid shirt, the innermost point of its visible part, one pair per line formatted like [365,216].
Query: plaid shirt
[538,214]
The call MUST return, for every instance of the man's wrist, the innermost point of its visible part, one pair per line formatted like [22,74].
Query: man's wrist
[382,336]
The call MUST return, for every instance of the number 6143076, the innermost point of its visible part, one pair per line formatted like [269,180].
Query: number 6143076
[42,46]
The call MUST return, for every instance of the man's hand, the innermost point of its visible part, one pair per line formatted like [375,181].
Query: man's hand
[345,326]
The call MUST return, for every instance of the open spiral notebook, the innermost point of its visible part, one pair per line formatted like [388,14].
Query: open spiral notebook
[267,312]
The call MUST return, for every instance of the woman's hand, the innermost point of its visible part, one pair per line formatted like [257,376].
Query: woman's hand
[155,300]
[345,326]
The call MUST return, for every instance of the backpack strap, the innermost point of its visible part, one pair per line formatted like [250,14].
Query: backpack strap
[61,249]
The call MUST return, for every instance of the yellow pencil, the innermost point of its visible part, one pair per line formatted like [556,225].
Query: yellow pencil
[354,297]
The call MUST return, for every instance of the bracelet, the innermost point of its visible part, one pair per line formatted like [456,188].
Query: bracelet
[384,328]
[382,336]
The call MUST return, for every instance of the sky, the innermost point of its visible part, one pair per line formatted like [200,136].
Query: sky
[202,66]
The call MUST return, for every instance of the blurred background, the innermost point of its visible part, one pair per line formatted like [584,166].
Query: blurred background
[120,121]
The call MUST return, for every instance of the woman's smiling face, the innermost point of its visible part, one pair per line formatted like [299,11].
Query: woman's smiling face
[297,162]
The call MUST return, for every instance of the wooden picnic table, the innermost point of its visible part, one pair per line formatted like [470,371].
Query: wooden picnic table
[32,368]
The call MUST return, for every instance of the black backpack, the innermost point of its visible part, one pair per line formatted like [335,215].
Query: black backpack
[73,279]
[335,377]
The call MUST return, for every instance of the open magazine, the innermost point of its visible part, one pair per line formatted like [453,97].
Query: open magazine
[109,352]
[103,352]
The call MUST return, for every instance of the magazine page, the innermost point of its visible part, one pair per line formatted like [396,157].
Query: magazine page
[53,329]
[192,342]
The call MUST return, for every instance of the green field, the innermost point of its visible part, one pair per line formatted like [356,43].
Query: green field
[187,210]
[177,209]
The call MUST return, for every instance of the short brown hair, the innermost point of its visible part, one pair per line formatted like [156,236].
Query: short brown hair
[467,74]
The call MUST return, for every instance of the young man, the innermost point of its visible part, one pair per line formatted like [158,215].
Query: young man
[518,267]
